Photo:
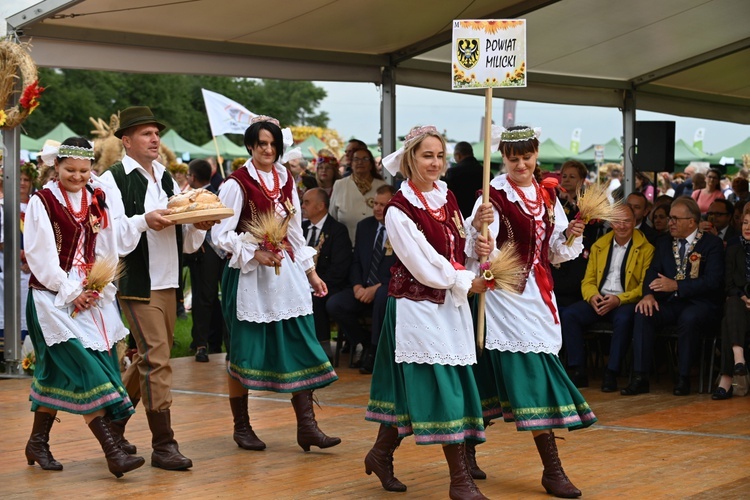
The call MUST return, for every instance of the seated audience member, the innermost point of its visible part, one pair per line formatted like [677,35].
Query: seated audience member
[345,167]
[369,276]
[465,177]
[611,288]
[567,275]
[718,223]
[206,266]
[659,216]
[710,192]
[644,185]
[740,190]
[331,240]
[294,162]
[639,204]
[326,170]
[736,318]
[683,287]
[685,186]
[739,210]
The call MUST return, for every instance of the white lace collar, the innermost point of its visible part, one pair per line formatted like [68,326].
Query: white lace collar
[435,198]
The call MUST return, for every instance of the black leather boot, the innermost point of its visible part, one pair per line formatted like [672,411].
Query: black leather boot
[37,447]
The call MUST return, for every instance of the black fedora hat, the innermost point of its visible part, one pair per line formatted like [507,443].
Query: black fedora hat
[136,115]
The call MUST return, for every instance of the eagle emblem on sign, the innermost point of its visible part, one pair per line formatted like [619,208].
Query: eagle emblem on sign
[467,51]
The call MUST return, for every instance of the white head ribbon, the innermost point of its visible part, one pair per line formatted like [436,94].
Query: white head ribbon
[392,162]
[292,154]
[50,152]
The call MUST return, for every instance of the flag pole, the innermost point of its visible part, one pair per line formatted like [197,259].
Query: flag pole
[485,199]
[219,159]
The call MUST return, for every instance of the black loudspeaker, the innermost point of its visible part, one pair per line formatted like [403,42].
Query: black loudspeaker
[654,146]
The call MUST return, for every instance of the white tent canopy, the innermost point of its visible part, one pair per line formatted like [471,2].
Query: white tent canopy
[683,57]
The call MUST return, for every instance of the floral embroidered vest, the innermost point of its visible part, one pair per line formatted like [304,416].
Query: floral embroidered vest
[519,227]
[67,233]
[403,284]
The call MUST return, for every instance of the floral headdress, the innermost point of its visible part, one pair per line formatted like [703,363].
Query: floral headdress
[30,170]
[50,152]
[392,162]
[519,135]
[265,118]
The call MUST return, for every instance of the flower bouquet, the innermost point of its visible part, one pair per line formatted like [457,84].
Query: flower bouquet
[102,273]
[269,233]
[28,363]
[506,271]
[594,204]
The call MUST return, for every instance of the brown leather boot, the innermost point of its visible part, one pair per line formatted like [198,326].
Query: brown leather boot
[118,461]
[166,454]
[308,432]
[462,484]
[243,431]
[471,461]
[380,458]
[554,479]
[118,432]
[37,447]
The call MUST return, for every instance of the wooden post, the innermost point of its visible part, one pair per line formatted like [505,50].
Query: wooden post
[219,159]
[485,199]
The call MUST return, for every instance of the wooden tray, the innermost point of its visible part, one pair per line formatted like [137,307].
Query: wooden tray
[200,215]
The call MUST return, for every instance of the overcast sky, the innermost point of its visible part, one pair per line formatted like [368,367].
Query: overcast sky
[354,111]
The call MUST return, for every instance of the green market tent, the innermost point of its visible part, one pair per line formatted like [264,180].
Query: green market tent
[684,153]
[228,149]
[735,152]
[478,147]
[552,152]
[180,146]
[30,144]
[59,134]
[312,142]
[612,153]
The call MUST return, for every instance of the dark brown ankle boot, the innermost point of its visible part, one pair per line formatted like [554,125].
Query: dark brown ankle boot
[118,461]
[462,484]
[471,461]
[37,447]
[554,479]
[380,458]
[166,454]
[243,431]
[118,432]
[308,432]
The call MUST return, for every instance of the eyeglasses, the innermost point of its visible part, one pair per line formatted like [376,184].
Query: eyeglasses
[360,160]
[717,214]
[675,219]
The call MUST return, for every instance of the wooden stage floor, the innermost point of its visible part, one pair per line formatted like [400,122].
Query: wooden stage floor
[649,446]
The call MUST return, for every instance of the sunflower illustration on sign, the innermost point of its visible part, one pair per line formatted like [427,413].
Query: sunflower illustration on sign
[467,51]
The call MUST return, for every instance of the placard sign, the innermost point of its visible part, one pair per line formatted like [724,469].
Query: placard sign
[489,53]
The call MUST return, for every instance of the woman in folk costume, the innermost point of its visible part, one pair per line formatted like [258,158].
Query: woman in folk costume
[266,292]
[73,328]
[422,381]
[519,374]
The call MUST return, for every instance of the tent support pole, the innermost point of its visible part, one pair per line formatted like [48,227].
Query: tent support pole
[388,114]
[628,140]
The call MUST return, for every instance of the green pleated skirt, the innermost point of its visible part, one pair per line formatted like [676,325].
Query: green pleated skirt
[439,404]
[530,389]
[72,378]
[283,356]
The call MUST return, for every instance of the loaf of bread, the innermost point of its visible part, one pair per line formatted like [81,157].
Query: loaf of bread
[192,200]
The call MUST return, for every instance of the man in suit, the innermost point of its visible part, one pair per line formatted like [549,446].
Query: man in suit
[369,277]
[640,205]
[206,266]
[465,177]
[683,287]
[611,287]
[718,223]
[330,239]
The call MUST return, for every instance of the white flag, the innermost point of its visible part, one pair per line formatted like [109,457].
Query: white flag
[224,115]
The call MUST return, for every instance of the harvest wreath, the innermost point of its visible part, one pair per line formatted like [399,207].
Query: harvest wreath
[15,60]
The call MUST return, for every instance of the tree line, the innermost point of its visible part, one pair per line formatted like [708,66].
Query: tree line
[72,96]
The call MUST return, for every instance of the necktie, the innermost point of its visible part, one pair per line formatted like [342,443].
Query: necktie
[313,235]
[377,256]
[683,242]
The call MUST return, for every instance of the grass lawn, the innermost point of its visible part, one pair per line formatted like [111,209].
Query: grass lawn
[183,337]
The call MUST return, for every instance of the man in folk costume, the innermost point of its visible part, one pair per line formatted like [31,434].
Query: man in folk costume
[150,247]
